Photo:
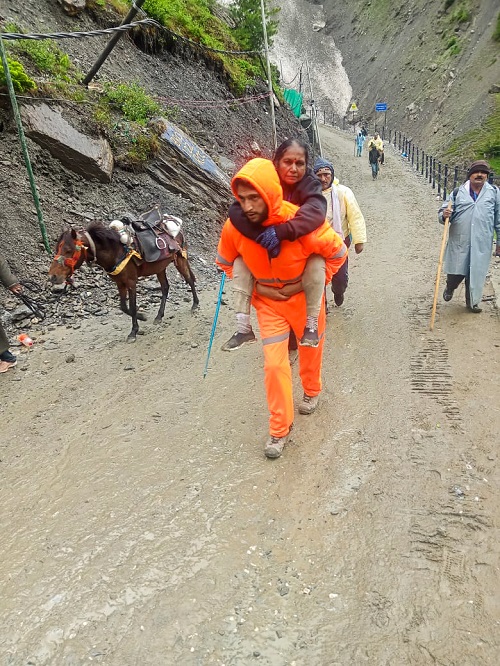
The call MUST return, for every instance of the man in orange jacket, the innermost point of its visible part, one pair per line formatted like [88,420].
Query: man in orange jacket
[278,296]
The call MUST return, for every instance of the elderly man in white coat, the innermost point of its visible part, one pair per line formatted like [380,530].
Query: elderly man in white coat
[475,215]
[345,216]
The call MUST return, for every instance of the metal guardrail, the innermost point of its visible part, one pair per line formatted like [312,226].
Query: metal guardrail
[441,176]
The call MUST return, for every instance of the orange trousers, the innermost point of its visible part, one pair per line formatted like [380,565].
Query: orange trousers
[276,318]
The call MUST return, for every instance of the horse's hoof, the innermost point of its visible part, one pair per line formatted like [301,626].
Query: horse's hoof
[195,307]
[131,338]
[141,317]
[158,320]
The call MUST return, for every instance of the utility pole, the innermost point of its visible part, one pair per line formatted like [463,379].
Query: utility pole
[269,80]
[314,115]
[112,42]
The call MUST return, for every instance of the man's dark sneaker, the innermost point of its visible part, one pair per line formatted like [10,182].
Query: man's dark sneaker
[309,338]
[447,294]
[338,298]
[475,308]
[238,340]
[8,356]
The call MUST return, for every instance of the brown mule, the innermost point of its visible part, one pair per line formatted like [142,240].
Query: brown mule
[98,244]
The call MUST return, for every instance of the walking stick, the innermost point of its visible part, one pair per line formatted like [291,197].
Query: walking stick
[440,265]
[214,325]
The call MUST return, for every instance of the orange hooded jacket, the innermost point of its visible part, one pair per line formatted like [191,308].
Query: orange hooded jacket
[288,266]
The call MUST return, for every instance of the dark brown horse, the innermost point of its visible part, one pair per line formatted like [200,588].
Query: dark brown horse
[98,244]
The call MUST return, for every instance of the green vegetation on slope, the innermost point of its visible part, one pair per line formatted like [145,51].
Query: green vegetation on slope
[195,20]
[45,55]
[247,15]
[480,143]
[20,80]
[121,111]
[496,34]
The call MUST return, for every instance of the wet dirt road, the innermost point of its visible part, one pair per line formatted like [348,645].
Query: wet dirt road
[141,523]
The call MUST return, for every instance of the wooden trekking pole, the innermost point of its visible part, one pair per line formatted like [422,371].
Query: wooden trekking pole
[440,264]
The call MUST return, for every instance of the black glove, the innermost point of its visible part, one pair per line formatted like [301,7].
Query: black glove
[270,241]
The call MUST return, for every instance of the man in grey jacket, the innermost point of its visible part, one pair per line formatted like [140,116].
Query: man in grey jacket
[474,217]
[7,359]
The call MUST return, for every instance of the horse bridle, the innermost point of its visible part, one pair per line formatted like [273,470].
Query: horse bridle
[80,247]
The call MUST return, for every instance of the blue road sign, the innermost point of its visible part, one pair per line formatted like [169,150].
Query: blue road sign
[382,106]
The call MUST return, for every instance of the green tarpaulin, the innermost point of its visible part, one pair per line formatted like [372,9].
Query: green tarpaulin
[294,99]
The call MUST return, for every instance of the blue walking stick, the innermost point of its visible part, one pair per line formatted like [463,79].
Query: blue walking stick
[214,325]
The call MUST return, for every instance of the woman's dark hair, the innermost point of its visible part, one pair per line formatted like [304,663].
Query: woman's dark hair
[281,149]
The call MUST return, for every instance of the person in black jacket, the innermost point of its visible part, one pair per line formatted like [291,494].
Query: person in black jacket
[302,188]
[373,159]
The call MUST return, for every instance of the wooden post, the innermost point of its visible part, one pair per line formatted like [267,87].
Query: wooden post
[440,265]
[112,42]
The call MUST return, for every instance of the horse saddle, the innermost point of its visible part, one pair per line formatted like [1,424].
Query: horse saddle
[154,242]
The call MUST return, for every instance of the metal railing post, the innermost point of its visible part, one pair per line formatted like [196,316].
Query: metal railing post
[439,178]
[445,185]
[455,178]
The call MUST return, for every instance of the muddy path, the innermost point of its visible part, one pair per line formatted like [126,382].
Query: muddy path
[142,525]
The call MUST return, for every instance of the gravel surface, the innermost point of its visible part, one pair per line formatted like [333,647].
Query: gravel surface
[143,525]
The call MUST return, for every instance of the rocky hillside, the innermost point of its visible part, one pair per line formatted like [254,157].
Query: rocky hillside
[435,63]
[229,133]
